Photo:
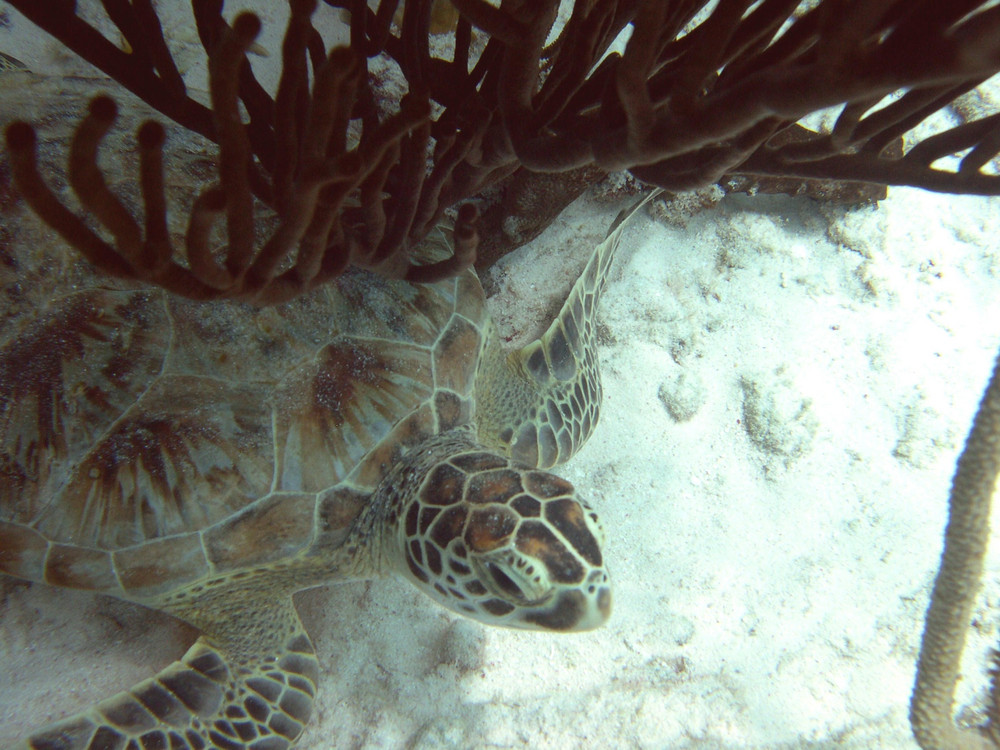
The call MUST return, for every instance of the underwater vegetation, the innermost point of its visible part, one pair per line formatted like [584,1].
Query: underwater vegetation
[965,542]
[496,101]
[358,175]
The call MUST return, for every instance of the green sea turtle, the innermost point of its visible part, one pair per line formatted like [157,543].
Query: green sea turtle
[209,460]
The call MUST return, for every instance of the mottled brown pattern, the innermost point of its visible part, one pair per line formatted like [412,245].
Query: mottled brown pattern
[336,510]
[454,355]
[189,459]
[449,526]
[489,528]
[241,343]
[425,312]
[410,432]
[252,426]
[496,486]
[271,529]
[31,370]
[451,410]
[345,370]
[333,411]
[567,517]
[80,568]
[536,540]
[22,551]
[17,491]
[398,311]
[63,379]
[444,486]
[161,565]
[544,485]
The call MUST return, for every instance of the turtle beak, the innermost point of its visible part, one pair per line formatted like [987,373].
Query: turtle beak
[573,610]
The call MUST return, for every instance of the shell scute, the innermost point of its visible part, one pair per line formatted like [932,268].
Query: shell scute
[454,352]
[160,565]
[80,567]
[471,300]
[238,343]
[410,432]
[63,377]
[449,526]
[452,411]
[189,454]
[567,517]
[545,485]
[334,409]
[274,528]
[22,551]
[444,486]
[489,528]
[536,540]
[395,311]
[336,510]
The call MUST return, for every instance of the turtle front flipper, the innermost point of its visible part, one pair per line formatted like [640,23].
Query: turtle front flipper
[541,403]
[250,684]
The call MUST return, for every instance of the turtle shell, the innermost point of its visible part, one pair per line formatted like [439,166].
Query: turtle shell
[147,441]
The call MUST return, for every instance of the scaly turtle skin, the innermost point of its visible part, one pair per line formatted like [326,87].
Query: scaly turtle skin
[209,460]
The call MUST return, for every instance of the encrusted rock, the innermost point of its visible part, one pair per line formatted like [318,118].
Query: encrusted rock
[682,396]
[778,419]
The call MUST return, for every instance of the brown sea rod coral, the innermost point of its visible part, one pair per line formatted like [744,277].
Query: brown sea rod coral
[698,93]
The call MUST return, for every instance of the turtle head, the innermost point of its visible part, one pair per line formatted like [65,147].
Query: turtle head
[504,544]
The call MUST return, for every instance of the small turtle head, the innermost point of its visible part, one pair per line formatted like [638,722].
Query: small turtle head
[505,544]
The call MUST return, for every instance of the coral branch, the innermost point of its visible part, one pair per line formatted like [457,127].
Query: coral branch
[88,182]
[22,144]
[703,92]
[965,542]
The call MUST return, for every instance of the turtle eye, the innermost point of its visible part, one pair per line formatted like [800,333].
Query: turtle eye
[512,578]
[505,583]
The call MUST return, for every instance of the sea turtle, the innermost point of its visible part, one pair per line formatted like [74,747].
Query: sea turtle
[211,459]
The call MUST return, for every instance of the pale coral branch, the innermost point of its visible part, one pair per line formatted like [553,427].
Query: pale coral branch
[965,543]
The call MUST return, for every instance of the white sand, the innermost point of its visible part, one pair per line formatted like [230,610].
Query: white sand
[769,588]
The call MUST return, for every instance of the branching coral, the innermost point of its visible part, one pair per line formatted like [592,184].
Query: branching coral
[700,93]
[313,176]
[694,98]
[965,542]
